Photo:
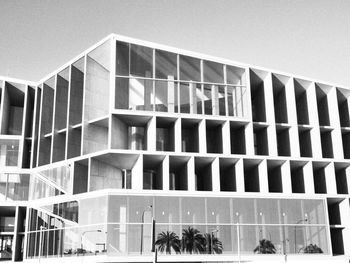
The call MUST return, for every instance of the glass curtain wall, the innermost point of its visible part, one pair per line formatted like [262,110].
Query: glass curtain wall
[122,225]
[14,187]
[156,80]
[9,152]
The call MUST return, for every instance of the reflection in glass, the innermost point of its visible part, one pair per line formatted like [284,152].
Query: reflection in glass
[189,68]
[122,61]
[229,223]
[165,95]
[9,152]
[166,65]
[62,176]
[141,61]
[213,72]
[185,89]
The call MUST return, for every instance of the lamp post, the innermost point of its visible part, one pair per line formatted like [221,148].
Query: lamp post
[238,238]
[81,238]
[211,239]
[295,233]
[285,240]
[142,220]
[40,240]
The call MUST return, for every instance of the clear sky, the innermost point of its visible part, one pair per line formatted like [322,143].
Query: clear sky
[304,37]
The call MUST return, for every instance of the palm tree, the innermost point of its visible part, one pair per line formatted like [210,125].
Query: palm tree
[265,247]
[213,244]
[312,249]
[192,241]
[168,240]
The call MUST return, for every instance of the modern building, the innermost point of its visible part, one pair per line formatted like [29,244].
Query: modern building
[228,159]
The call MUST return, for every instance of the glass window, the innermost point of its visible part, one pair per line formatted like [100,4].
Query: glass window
[185,98]
[141,61]
[60,175]
[140,207]
[234,75]
[193,210]
[117,211]
[267,211]
[231,97]
[164,95]
[9,152]
[208,98]
[213,72]
[18,187]
[218,210]
[190,68]
[141,94]
[166,65]
[221,101]
[3,183]
[291,211]
[314,211]
[244,211]
[93,210]
[122,62]
[167,210]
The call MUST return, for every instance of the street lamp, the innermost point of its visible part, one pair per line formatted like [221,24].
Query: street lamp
[238,238]
[40,240]
[295,233]
[142,220]
[211,239]
[285,240]
[81,238]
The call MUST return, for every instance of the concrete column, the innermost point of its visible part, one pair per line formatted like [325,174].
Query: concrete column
[330,179]
[137,174]
[292,118]
[171,94]
[215,99]
[202,142]
[226,146]
[249,139]
[191,178]
[178,135]
[149,93]
[151,134]
[345,219]
[347,173]
[333,108]
[308,178]
[263,177]
[247,111]
[193,98]
[270,115]
[239,169]
[215,175]
[165,172]
[335,123]
[286,178]
[313,118]
[239,102]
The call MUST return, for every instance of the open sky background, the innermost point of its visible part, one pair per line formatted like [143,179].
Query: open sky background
[304,37]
